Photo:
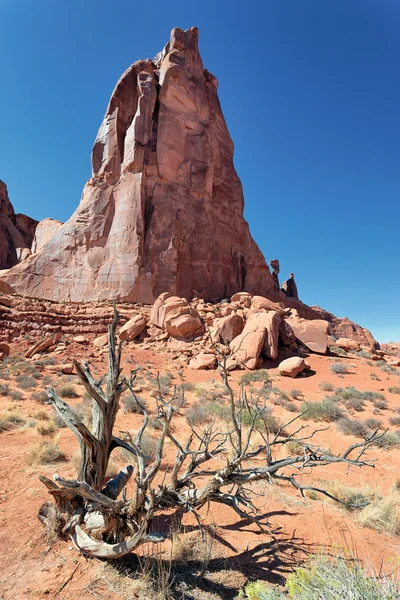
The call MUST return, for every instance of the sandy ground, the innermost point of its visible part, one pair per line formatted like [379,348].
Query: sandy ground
[31,568]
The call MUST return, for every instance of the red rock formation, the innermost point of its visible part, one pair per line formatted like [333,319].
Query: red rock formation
[45,230]
[16,232]
[163,211]
[344,328]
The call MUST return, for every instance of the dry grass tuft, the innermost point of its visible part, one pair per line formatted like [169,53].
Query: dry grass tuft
[383,514]
[44,452]
[46,427]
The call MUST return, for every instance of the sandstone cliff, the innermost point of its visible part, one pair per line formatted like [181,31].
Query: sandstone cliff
[16,232]
[163,211]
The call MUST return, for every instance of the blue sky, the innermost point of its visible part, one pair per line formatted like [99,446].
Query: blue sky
[311,93]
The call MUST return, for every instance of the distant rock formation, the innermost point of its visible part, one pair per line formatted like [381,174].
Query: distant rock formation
[163,211]
[344,328]
[16,232]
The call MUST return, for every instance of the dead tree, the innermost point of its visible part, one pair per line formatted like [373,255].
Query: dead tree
[100,524]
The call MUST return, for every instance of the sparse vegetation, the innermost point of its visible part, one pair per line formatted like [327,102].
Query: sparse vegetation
[44,451]
[40,397]
[324,410]
[67,391]
[337,350]
[10,419]
[25,382]
[395,421]
[46,427]
[198,414]
[253,376]
[352,427]
[395,389]
[131,405]
[4,389]
[16,395]
[340,368]
[382,514]
[391,439]
[326,386]
[296,393]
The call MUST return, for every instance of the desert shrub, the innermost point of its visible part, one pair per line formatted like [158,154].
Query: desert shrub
[295,393]
[84,411]
[253,376]
[380,404]
[130,404]
[4,389]
[155,423]
[391,439]
[149,448]
[46,427]
[369,395]
[220,411]
[372,423]
[294,448]
[67,391]
[188,386]
[352,427]
[16,395]
[374,377]
[324,410]
[58,421]
[198,414]
[41,397]
[338,579]
[337,350]
[47,380]
[340,368]
[387,368]
[353,497]
[259,590]
[291,406]
[382,514]
[395,389]
[41,415]
[326,386]
[44,452]
[25,382]
[10,419]
[394,421]
[211,391]
[363,354]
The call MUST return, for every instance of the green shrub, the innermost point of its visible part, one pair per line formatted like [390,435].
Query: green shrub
[363,354]
[253,376]
[395,421]
[395,389]
[324,410]
[220,411]
[295,393]
[373,423]
[259,590]
[339,579]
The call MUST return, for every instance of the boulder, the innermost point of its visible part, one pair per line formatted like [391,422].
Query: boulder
[290,367]
[183,322]
[259,302]
[42,345]
[203,361]
[286,334]
[4,350]
[133,328]
[227,328]
[164,304]
[347,344]
[312,334]
[242,298]
[101,341]
[260,334]
[80,339]
[163,210]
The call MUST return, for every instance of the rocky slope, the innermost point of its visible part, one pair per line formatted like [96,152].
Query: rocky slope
[163,211]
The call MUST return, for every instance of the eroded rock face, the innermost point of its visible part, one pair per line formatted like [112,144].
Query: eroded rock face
[16,232]
[163,211]
[44,231]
